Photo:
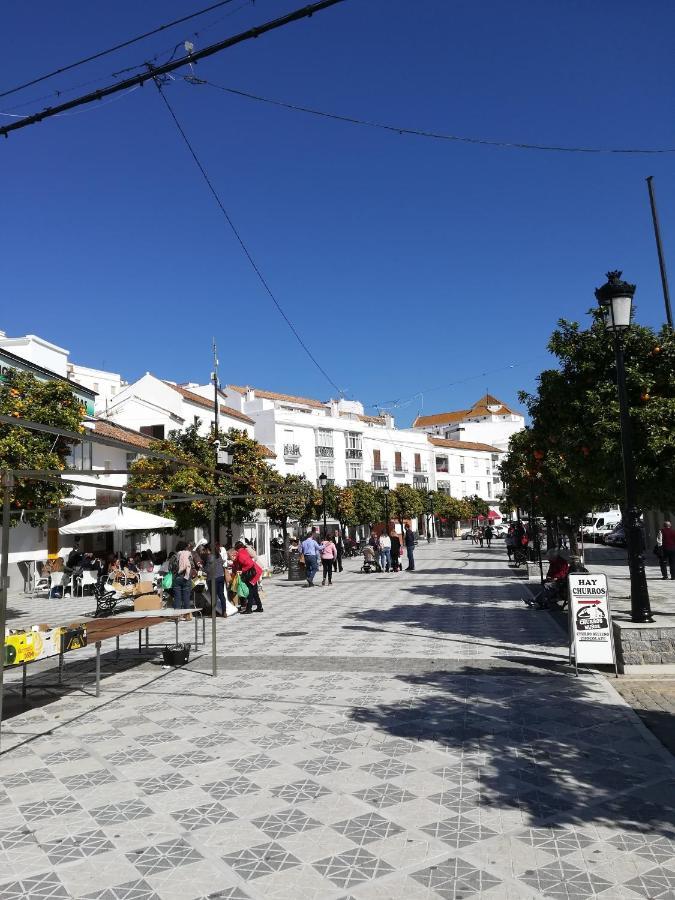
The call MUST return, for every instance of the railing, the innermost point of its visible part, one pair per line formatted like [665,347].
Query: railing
[354,453]
[380,481]
[420,481]
[400,468]
[325,452]
[292,451]
[352,481]
[380,467]
[421,467]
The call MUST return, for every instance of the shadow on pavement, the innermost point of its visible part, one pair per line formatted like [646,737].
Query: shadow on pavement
[546,749]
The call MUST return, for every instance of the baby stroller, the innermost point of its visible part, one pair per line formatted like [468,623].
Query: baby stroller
[370,563]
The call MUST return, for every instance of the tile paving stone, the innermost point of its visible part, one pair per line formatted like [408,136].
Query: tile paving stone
[352,867]
[655,884]
[203,816]
[286,822]
[299,791]
[231,787]
[94,874]
[46,885]
[68,848]
[366,828]
[136,889]
[127,810]
[170,782]
[454,878]
[254,862]
[384,795]
[561,879]
[160,857]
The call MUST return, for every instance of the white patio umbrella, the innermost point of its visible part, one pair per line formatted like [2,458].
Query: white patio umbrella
[117,519]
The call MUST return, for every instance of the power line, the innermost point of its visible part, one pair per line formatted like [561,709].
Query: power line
[258,30]
[239,238]
[435,135]
[172,50]
[127,43]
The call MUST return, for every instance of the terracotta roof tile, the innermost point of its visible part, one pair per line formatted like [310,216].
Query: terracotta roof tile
[273,395]
[462,445]
[191,397]
[119,433]
[479,408]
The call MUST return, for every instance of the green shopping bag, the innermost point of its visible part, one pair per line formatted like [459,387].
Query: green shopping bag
[167,581]
[242,589]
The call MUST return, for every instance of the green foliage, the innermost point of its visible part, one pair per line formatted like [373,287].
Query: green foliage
[406,502]
[286,498]
[451,508]
[49,403]
[244,481]
[366,503]
[569,459]
[476,506]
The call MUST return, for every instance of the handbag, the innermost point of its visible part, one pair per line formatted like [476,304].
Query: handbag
[301,560]
[242,589]
[167,581]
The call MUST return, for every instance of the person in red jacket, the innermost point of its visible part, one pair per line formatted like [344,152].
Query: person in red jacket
[558,570]
[250,573]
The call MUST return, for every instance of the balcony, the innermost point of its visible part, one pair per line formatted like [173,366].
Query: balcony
[291,451]
[324,452]
[421,467]
[421,481]
[352,481]
[354,453]
[380,467]
[380,480]
[400,468]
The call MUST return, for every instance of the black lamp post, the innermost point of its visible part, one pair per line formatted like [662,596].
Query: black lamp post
[323,480]
[615,299]
[385,491]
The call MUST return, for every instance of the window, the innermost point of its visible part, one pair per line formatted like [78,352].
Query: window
[489,489]
[131,457]
[153,431]
[353,440]
[462,464]
[80,457]
[444,487]
[326,467]
[325,437]
[196,421]
[398,463]
[377,461]
[463,489]
[354,471]
[478,487]
[107,465]
[442,464]
[476,462]
[418,462]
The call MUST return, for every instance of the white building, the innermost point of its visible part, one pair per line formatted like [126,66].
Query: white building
[154,408]
[466,468]
[311,437]
[105,385]
[488,421]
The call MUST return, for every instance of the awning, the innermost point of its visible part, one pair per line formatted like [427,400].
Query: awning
[117,519]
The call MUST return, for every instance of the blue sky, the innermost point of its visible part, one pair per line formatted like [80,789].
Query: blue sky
[407,264]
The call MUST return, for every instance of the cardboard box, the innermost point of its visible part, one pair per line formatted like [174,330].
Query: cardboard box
[143,587]
[147,601]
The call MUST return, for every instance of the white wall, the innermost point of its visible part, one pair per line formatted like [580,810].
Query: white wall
[37,351]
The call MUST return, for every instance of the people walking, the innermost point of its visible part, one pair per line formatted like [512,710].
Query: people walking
[510,541]
[665,540]
[328,557]
[215,572]
[489,534]
[340,548]
[395,551]
[409,540]
[481,536]
[311,552]
[182,565]
[250,573]
[385,551]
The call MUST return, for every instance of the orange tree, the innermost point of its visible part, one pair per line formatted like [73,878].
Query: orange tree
[49,403]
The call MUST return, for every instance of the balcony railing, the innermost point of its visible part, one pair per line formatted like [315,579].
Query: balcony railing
[421,467]
[291,451]
[380,481]
[352,481]
[420,481]
[400,468]
[325,452]
[380,467]
[354,453]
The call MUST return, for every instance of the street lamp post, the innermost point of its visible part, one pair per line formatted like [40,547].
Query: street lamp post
[615,299]
[385,491]
[323,480]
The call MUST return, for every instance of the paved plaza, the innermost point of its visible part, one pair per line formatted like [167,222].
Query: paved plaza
[392,736]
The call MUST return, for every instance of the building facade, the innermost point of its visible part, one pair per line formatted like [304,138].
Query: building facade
[488,421]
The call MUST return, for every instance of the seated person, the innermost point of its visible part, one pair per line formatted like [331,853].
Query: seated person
[369,558]
[558,571]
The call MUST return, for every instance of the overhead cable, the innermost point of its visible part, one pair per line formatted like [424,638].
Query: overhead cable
[191,58]
[240,240]
[434,135]
[102,53]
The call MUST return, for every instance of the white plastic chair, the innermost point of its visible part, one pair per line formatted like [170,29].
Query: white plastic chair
[88,579]
[40,583]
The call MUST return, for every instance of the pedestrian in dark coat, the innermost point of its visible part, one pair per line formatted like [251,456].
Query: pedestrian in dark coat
[340,547]
[395,551]
[410,548]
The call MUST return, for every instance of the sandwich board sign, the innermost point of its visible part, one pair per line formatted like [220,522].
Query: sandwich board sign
[591,636]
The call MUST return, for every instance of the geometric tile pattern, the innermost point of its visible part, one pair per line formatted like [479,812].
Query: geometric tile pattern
[160,858]
[455,878]
[254,862]
[352,867]
[410,744]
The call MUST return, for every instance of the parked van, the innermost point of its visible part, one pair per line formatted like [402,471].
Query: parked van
[597,523]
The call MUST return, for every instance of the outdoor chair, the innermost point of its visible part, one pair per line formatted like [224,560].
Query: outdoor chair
[89,579]
[39,583]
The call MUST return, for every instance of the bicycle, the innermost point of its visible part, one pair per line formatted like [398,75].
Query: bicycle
[278,561]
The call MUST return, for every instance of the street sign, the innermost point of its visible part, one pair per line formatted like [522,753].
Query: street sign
[591,637]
